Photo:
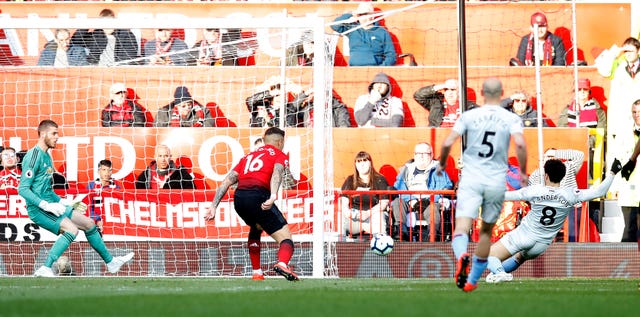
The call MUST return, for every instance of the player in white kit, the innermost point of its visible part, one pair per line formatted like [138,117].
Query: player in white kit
[550,206]
[488,129]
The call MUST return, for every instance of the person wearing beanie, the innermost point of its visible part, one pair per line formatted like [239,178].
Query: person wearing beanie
[587,114]
[551,50]
[184,111]
[123,110]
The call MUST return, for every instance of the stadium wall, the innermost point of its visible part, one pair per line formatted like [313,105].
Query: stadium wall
[408,260]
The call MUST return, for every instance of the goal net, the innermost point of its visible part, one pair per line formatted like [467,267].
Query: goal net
[261,73]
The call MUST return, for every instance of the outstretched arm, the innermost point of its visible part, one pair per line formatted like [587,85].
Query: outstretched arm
[231,179]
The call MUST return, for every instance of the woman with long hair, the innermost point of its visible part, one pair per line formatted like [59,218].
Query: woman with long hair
[364,213]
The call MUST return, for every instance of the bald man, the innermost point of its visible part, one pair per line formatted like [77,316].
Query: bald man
[488,131]
[164,174]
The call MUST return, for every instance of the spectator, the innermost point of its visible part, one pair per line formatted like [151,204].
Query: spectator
[272,95]
[107,47]
[369,43]
[61,53]
[419,173]
[588,114]
[162,173]
[441,100]
[259,142]
[121,111]
[364,213]
[303,104]
[379,108]
[550,50]
[166,50]
[300,53]
[520,103]
[10,173]
[184,111]
[621,66]
[95,188]
[215,49]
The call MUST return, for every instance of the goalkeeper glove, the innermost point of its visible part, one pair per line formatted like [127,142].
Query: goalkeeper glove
[54,208]
[616,166]
[78,206]
[627,169]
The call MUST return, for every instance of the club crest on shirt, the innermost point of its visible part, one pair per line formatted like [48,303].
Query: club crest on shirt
[49,170]
[28,174]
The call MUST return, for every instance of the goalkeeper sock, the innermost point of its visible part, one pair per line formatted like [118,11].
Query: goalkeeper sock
[96,242]
[61,245]
[478,265]
[286,251]
[459,244]
[494,265]
[254,253]
[510,264]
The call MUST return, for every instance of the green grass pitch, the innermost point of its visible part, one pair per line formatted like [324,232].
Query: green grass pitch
[120,296]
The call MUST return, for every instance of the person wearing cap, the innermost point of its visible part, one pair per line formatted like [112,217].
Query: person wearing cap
[123,111]
[59,52]
[379,108]
[520,103]
[587,114]
[441,100]
[369,43]
[165,49]
[184,111]
[551,50]
[213,49]
[106,47]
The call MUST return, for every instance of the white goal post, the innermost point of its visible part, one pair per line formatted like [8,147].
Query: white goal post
[228,86]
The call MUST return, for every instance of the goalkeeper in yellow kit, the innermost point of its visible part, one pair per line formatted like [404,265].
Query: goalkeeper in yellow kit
[62,217]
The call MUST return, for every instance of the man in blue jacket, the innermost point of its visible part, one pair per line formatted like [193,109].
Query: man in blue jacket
[369,43]
[419,174]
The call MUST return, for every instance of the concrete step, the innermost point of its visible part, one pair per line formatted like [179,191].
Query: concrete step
[609,237]
[611,209]
[613,226]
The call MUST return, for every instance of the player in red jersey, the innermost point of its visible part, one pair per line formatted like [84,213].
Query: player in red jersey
[258,175]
